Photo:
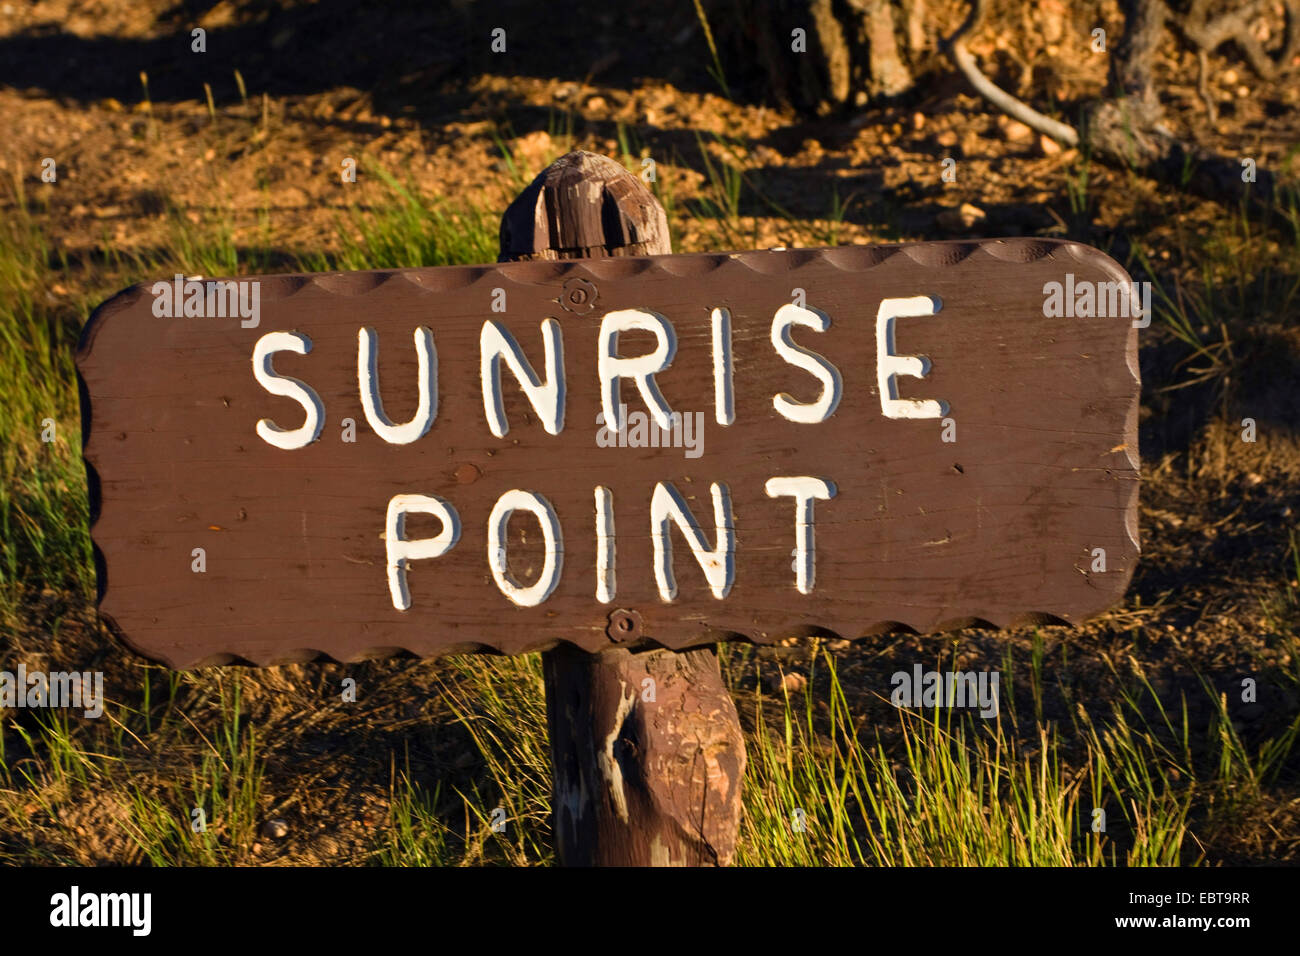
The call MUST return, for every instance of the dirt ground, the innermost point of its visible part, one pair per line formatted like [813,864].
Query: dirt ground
[112,91]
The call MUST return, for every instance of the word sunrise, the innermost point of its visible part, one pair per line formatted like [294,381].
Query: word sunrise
[896,436]
[546,393]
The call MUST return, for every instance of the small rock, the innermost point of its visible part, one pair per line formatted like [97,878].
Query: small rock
[275,829]
[960,219]
[535,147]
[1049,146]
[596,103]
[918,121]
[947,138]
[1014,131]
[1229,77]
[792,683]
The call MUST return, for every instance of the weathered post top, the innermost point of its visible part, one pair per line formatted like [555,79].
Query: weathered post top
[584,206]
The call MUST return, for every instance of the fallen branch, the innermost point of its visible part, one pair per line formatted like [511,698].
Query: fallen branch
[1129,129]
[1016,109]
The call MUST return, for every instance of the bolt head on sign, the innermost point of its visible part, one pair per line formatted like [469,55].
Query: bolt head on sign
[669,450]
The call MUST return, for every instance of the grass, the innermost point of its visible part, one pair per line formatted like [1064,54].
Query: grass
[1171,769]
[212,818]
[715,68]
[967,791]
[205,812]
[1246,278]
[828,231]
[719,202]
[408,231]
[44,545]
[500,702]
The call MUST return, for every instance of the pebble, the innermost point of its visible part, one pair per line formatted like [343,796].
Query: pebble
[1014,131]
[275,829]
[792,683]
[961,218]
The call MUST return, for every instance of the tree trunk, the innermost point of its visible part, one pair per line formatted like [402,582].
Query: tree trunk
[1126,125]
[820,56]
[1130,127]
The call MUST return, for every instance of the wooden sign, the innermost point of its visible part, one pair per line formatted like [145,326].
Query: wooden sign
[669,449]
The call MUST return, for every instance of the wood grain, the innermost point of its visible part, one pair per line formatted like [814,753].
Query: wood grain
[997,527]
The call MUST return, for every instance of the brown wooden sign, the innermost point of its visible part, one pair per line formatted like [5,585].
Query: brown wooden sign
[668,449]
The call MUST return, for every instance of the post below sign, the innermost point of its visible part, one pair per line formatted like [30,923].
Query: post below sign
[670,449]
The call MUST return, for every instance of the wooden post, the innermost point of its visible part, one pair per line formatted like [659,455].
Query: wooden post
[647,752]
